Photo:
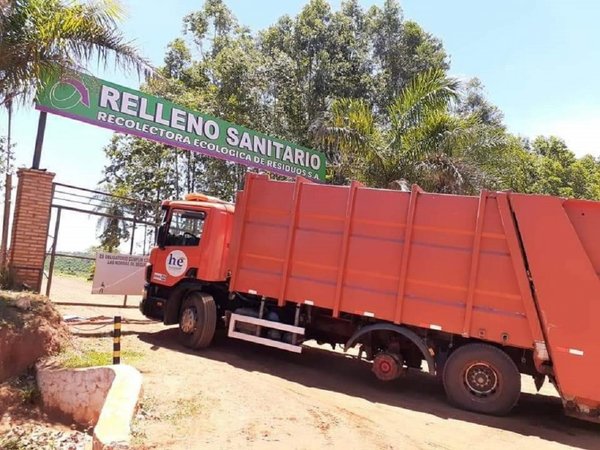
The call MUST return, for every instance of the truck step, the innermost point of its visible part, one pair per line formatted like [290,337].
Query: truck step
[234,318]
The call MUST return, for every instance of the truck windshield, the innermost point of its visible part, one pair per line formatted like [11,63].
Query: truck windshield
[185,228]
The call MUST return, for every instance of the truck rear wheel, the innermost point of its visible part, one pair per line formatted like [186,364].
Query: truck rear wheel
[197,320]
[482,378]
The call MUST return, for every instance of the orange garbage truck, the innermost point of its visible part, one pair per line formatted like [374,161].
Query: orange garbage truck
[477,290]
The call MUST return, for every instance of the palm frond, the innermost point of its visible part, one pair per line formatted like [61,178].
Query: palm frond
[427,92]
[37,36]
[348,130]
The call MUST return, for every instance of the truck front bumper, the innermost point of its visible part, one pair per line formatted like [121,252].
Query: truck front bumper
[152,307]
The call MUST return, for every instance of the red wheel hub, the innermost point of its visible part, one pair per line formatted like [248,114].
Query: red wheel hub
[387,366]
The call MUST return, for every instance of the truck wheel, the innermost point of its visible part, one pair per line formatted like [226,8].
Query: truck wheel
[197,320]
[482,378]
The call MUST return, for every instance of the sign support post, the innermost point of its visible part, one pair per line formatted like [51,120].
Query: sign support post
[39,140]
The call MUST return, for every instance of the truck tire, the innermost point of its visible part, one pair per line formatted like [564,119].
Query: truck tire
[197,320]
[483,379]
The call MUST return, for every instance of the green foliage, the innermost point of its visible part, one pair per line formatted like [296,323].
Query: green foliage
[76,267]
[112,229]
[418,139]
[473,102]
[72,359]
[447,141]
[279,81]
[38,36]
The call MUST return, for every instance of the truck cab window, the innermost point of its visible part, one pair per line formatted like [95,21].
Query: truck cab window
[185,228]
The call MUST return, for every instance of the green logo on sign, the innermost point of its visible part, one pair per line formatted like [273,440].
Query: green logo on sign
[68,93]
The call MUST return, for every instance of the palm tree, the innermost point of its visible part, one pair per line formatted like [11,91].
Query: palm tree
[41,36]
[419,139]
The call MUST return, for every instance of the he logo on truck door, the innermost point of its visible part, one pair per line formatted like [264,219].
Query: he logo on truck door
[176,263]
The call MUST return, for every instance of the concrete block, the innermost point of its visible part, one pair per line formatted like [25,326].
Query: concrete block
[103,397]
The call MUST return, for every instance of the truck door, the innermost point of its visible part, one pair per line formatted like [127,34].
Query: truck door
[181,246]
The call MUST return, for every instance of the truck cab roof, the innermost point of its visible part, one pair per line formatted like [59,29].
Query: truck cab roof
[195,200]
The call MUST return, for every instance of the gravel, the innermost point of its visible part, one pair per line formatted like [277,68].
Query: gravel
[43,438]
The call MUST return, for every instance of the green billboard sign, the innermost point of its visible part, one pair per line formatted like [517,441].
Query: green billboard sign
[108,105]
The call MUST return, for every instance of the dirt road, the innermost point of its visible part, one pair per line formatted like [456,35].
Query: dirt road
[237,394]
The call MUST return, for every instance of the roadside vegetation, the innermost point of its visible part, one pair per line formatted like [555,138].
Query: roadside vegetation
[75,267]
[73,358]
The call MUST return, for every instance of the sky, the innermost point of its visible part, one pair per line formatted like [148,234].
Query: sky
[539,62]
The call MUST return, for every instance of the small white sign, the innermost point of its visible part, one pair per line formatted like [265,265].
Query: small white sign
[119,274]
[176,263]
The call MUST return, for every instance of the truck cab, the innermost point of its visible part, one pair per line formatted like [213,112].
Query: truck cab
[192,246]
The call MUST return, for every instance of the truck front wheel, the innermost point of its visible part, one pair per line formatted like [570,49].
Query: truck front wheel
[482,378]
[197,320]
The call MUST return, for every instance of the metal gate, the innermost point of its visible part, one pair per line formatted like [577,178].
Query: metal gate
[129,213]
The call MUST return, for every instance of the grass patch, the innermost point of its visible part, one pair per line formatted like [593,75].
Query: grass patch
[188,407]
[147,410]
[73,359]
[179,413]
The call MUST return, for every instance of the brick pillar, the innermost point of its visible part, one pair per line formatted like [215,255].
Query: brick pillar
[30,227]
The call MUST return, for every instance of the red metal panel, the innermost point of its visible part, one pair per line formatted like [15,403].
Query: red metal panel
[519,267]
[567,289]
[241,206]
[344,250]
[290,240]
[410,221]
[475,253]
[585,218]
[348,256]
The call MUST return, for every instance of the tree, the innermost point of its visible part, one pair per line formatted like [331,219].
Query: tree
[321,55]
[414,137]
[40,36]
[141,169]
[425,138]
[111,228]
[474,102]
[400,50]
[177,60]
[554,148]
[584,178]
